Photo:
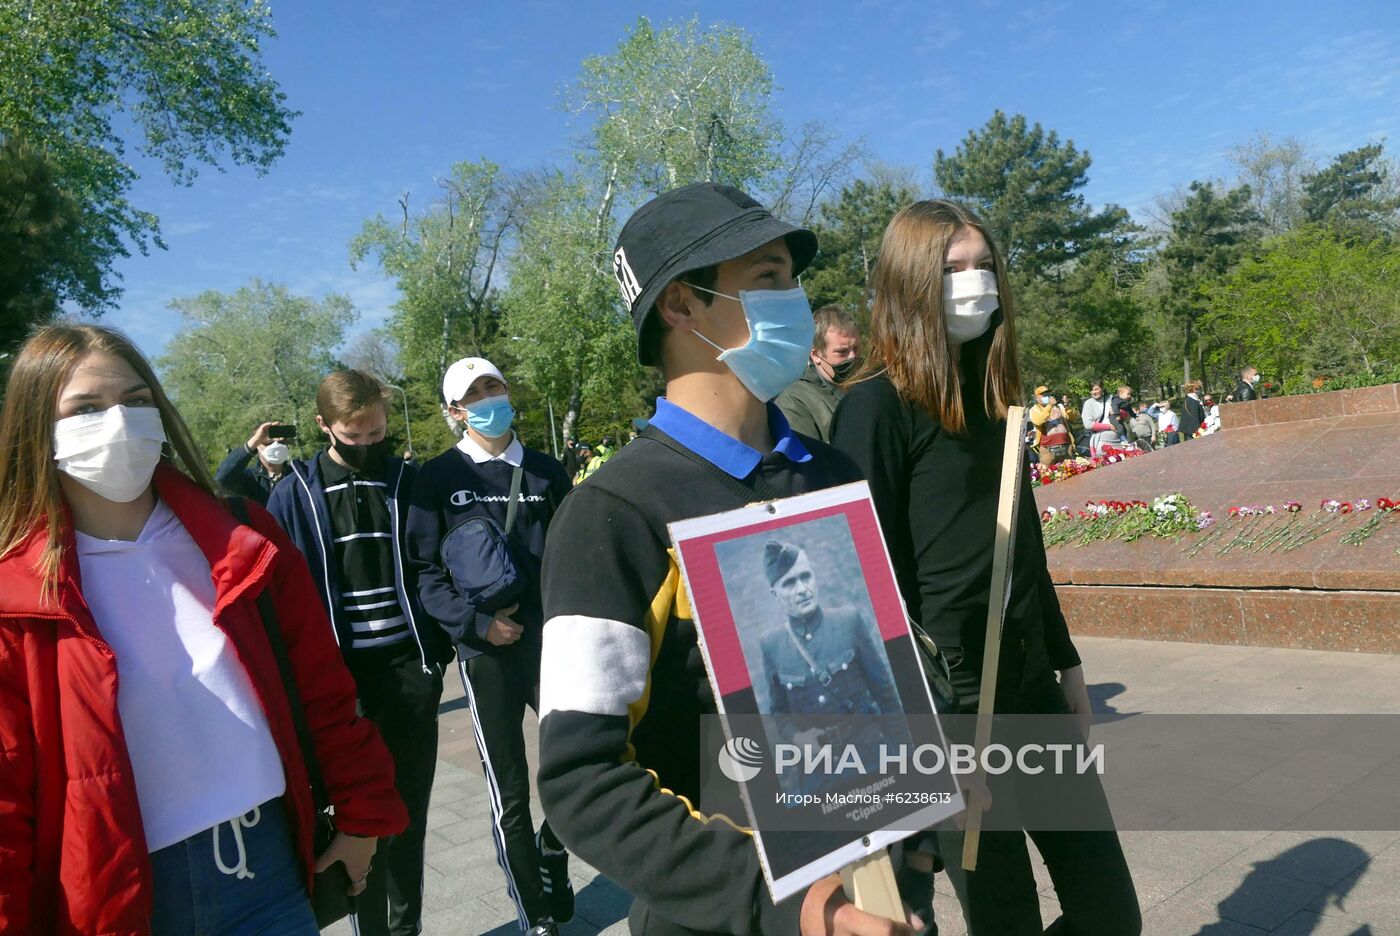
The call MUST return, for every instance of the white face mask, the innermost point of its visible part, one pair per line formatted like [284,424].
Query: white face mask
[276,453]
[113,453]
[969,299]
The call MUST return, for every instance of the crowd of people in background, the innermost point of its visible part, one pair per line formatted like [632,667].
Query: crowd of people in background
[548,582]
[1056,430]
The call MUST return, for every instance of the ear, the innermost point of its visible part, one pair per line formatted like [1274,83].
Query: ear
[322,424]
[674,305]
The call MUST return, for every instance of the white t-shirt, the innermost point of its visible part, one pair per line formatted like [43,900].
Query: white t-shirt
[1166,421]
[199,743]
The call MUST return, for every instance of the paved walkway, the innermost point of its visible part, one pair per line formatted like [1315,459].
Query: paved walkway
[1190,883]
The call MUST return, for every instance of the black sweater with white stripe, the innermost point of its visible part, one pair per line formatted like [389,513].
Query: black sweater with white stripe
[623,688]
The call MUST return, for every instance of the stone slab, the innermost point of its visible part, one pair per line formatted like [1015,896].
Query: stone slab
[1346,446]
[1367,622]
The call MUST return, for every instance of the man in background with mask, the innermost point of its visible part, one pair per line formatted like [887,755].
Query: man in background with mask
[1247,388]
[810,403]
[346,508]
[709,276]
[256,484]
[486,489]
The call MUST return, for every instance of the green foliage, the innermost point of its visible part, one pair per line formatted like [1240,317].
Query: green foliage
[1026,184]
[575,338]
[1350,193]
[1274,172]
[252,355]
[187,73]
[680,104]
[1209,233]
[1310,304]
[45,259]
[849,231]
[1087,327]
[445,261]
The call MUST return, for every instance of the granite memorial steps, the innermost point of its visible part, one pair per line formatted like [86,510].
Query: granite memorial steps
[1325,595]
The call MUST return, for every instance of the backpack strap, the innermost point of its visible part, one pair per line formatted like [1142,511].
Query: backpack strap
[511,508]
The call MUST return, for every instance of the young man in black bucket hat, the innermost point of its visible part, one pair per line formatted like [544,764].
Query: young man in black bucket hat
[709,276]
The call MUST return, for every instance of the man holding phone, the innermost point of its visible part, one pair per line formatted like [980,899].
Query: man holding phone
[269,443]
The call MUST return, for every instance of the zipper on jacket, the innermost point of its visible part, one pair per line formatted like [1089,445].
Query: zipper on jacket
[325,565]
[398,569]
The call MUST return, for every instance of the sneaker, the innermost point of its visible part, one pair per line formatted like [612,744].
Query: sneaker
[554,875]
[545,927]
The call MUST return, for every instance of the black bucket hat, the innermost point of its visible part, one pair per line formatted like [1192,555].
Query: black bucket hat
[690,228]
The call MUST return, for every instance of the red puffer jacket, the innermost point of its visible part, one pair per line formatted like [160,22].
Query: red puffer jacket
[73,857]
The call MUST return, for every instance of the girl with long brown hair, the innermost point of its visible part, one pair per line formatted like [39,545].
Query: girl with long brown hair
[925,420]
[152,774]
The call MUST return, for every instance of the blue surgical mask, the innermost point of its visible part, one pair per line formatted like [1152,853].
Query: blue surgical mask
[780,339]
[491,416]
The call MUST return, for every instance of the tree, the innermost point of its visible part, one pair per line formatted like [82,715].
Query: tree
[849,231]
[814,163]
[446,261]
[1312,303]
[187,74]
[1274,172]
[1026,185]
[1209,234]
[678,105]
[252,355]
[1088,326]
[44,256]
[1350,193]
[576,338]
[669,107]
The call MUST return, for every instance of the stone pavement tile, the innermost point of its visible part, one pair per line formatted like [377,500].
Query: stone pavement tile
[1179,917]
[463,830]
[1242,893]
[1367,896]
[946,909]
[454,791]
[1165,863]
[477,808]
[469,868]
[601,903]
[1307,923]
[472,917]
[1317,857]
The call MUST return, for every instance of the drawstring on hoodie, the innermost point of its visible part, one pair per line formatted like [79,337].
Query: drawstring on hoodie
[238,824]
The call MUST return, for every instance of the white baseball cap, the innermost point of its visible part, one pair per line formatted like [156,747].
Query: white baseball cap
[461,375]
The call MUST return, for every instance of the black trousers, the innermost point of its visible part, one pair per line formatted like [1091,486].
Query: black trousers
[1091,877]
[402,701]
[499,684]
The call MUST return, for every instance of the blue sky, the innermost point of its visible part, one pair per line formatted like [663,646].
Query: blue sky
[393,93]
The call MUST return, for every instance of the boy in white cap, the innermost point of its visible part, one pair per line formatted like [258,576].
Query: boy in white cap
[476,532]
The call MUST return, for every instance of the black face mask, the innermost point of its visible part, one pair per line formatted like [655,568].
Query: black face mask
[843,371]
[362,459]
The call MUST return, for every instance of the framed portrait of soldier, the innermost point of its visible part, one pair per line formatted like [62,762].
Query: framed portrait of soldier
[821,690]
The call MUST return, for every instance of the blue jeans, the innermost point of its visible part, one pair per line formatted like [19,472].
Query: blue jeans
[240,878]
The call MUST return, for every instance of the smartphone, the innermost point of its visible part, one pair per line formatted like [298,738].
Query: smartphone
[282,433]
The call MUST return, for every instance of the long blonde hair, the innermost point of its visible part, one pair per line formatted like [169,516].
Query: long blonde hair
[30,495]
[908,338]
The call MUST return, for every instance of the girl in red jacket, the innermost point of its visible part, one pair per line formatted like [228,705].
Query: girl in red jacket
[150,776]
